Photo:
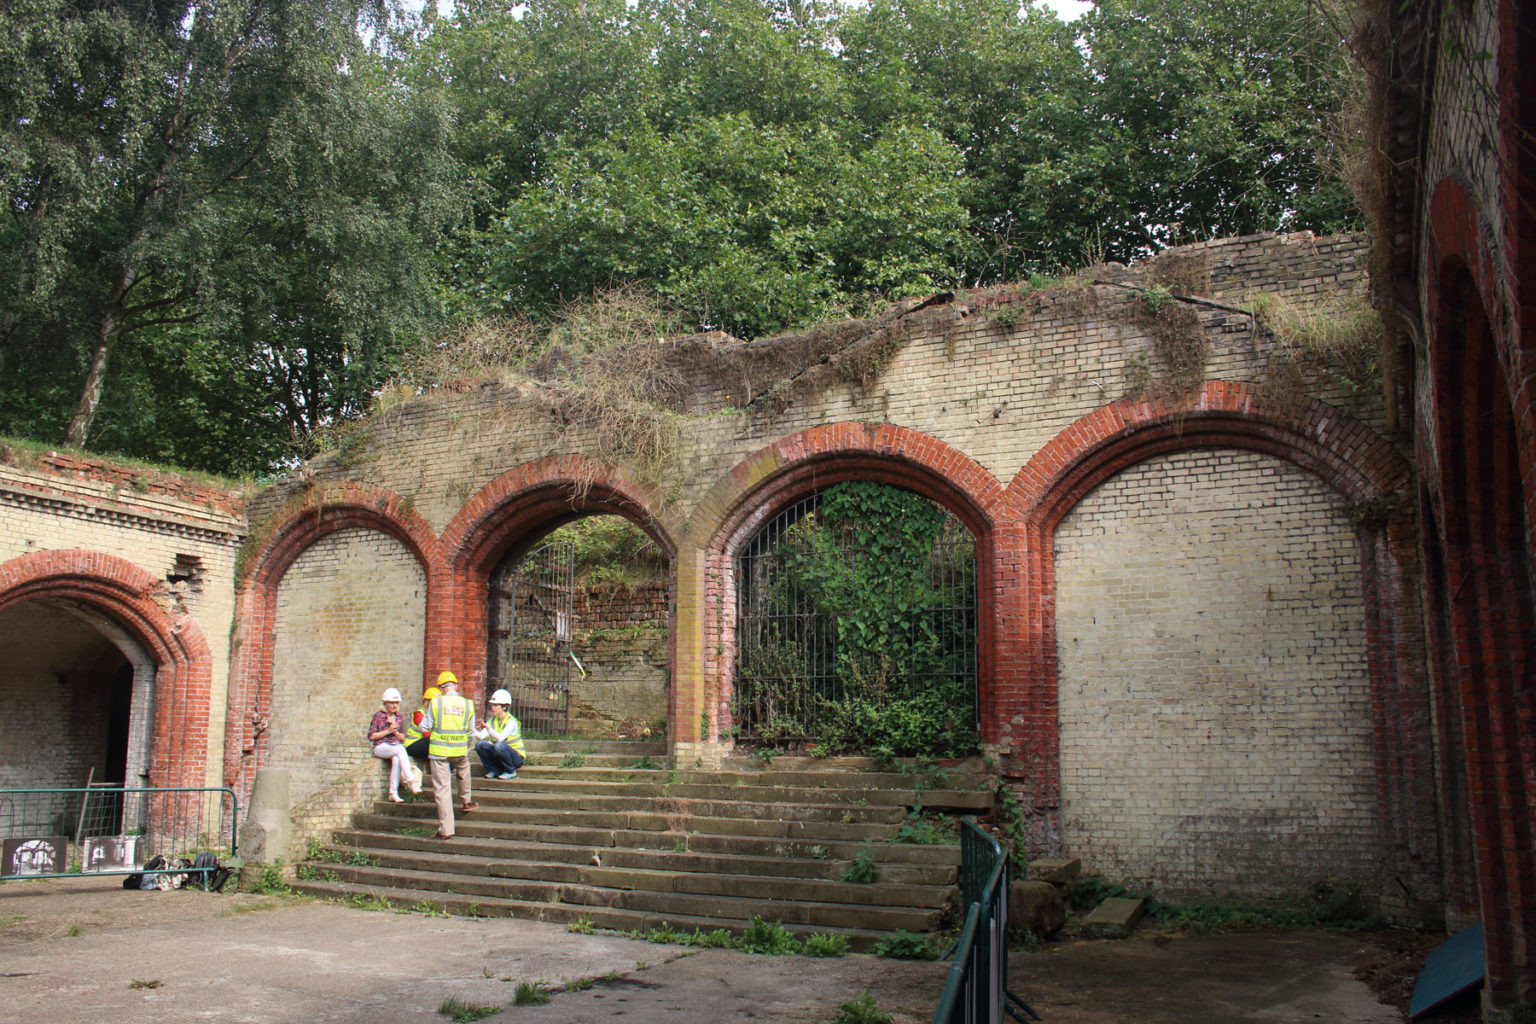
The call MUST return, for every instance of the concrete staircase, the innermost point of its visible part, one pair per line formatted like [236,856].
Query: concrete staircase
[609,833]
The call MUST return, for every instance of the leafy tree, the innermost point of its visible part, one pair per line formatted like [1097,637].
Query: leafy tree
[752,227]
[251,168]
[1217,118]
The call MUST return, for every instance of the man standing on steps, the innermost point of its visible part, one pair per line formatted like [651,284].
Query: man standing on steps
[449,719]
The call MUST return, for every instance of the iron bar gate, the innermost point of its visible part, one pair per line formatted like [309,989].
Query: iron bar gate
[804,584]
[532,606]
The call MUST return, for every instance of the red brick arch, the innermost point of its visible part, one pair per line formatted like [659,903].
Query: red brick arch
[348,506]
[524,502]
[1477,458]
[1345,454]
[776,476]
[126,594]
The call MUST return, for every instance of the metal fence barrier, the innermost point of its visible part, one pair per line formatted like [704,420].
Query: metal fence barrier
[114,830]
[977,989]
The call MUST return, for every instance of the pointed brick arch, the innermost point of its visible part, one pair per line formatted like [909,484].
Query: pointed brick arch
[127,595]
[782,473]
[318,514]
[1344,454]
[531,499]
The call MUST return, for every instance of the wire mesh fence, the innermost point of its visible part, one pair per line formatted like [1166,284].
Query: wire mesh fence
[106,830]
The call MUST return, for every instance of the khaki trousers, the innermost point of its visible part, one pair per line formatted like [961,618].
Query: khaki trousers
[442,791]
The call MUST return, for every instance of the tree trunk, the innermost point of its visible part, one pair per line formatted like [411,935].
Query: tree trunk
[90,395]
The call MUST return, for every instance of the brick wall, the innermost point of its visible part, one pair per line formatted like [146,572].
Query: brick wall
[620,636]
[349,623]
[1008,409]
[1216,731]
[53,697]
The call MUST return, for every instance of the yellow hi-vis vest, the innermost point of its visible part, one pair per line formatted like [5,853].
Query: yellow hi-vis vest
[451,716]
[515,737]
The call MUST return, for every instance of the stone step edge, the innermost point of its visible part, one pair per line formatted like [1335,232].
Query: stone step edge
[347,841]
[615,919]
[879,892]
[605,897]
[603,838]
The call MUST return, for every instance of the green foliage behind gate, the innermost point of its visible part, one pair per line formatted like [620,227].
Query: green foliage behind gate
[858,626]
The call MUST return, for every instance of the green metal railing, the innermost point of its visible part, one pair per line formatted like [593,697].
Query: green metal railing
[113,830]
[977,989]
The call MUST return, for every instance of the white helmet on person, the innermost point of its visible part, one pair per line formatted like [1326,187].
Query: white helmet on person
[501,697]
[391,694]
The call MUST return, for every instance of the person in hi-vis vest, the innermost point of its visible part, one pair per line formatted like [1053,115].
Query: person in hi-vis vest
[449,721]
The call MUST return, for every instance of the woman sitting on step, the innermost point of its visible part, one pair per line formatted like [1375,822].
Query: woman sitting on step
[501,740]
[387,735]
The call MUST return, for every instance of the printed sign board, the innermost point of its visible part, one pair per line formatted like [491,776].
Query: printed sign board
[109,853]
[35,855]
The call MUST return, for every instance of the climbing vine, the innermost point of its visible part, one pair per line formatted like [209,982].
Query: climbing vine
[868,583]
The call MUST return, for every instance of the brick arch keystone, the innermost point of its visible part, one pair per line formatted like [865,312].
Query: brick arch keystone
[1345,454]
[774,477]
[545,493]
[127,594]
[348,506]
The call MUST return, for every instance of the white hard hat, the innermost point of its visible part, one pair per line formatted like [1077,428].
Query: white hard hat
[501,697]
[391,694]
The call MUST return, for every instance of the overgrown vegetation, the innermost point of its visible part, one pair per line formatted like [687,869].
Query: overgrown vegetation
[862,1010]
[769,938]
[462,1012]
[1327,906]
[1333,339]
[869,582]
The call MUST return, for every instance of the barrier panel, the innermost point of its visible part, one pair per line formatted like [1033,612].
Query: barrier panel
[114,830]
[976,991]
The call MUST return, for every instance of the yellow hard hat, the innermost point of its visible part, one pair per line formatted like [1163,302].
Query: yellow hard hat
[444,678]
[432,692]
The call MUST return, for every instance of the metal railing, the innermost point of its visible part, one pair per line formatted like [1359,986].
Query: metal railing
[977,988]
[113,830]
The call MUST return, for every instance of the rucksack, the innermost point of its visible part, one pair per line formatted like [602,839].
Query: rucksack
[138,878]
[213,877]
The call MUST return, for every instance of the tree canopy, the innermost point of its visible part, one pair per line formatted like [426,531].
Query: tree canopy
[227,222]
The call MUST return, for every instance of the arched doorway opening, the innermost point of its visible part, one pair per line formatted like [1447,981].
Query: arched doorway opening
[76,695]
[856,626]
[577,630]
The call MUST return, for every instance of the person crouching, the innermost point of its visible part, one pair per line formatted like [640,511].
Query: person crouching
[501,740]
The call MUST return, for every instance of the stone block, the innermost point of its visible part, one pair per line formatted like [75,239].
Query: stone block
[1056,870]
[1037,907]
[1115,918]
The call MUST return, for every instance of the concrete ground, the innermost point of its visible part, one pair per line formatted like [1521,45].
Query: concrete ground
[86,950]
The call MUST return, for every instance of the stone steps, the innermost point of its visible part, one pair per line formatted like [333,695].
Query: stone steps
[635,848]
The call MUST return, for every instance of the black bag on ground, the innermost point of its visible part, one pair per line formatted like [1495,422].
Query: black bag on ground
[136,880]
[213,877]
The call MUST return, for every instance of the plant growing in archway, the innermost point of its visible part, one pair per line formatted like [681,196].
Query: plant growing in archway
[858,625]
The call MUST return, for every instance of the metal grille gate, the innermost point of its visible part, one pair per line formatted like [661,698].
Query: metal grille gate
[798,584]
[532,604]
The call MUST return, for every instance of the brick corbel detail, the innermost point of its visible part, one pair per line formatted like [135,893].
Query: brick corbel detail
[341,507]
[1343,453]
[183,661]
[774,477]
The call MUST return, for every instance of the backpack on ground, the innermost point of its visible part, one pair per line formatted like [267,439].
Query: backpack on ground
[137,879]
